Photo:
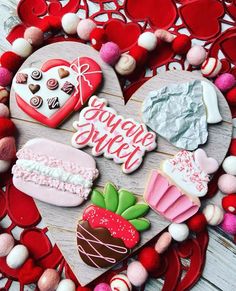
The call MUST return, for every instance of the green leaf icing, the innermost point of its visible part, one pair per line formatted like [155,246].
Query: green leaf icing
[111,197]
[140,224]
[126,200]
[98,199]
[135,211]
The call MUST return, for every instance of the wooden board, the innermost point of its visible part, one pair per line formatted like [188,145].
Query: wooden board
[61,221]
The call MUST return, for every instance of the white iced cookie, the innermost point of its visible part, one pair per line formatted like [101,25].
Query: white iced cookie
[211,102]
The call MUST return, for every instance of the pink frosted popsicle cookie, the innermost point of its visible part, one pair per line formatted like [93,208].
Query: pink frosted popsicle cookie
[54,173]
[174,190]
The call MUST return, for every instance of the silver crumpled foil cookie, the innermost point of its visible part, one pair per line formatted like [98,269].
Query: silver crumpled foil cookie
[177,113]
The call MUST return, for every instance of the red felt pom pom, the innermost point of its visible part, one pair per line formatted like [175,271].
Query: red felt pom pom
[83,289]
[197,222]
[181,44]
[7,127]
[98,37]
[150,259]
[229,203]
[11,61]
[232,148]
[231,96]
[140,54]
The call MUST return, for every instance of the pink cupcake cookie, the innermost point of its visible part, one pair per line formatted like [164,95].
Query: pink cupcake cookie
[174,190]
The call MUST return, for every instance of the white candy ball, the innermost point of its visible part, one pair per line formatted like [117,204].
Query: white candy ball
[22,47]
[148,40]
[70,22]
[66,285]
[179,231]
[120,283]
[214,214]
[211,67]
[4,166]
[229,165]
[17,256]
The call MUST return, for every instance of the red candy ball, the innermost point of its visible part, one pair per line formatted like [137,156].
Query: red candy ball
[98,37]
[231,96]
[232,148]
[11,61]
[140,54]
[181,44]
[7,127]
[197,223]
[150,259]
[229,203]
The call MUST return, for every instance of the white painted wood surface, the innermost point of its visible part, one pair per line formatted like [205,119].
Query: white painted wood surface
[219,273]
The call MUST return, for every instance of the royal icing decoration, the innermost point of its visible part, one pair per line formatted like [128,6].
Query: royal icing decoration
[71,83]
[44,165]
[110,227]
[180,112]
[123,140]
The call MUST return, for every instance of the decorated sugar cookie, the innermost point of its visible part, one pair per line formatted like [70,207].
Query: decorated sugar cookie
[54,173]
[123,140]
[52,93]
[174,189]
[110,228]
[180,112]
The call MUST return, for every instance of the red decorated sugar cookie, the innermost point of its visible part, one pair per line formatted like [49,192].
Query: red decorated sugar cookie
[110,228]
[52,93]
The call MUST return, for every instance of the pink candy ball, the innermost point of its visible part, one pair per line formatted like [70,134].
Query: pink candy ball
[49,280]
[137,274]
[225,82]
[85,27]
[34,36]
[196,55]
[227,184]
[4,111]
[110,53]
[5,77]
[229,223]
[6,244]
[102,287]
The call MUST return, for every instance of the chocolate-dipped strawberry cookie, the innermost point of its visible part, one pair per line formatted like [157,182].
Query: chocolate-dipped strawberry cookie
[110,228]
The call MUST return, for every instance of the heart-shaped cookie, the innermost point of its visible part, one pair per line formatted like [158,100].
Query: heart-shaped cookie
[208,165]
[61,88]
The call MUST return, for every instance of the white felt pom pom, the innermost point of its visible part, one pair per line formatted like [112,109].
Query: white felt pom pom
[229,165]
[22,47]
[214,214]
[179,231]
[66,285]
[70,22]
[148,40]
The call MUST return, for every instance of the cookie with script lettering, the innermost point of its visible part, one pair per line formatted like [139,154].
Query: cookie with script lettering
[54,173]
[174,190]
[122,139]
[50,94]
[110,228]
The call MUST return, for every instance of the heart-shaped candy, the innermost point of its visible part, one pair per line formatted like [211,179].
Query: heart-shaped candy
[61,88]
[208,165]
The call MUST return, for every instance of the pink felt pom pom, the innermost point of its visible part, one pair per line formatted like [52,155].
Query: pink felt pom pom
[229,223]
[110,53]
[49,280]
[137,274]
[6,244]
[4,111]
[7,148]
[225,82]
[34,36]
[102,287]
[85,27]
[227,184]
[5,77]
[196,55]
